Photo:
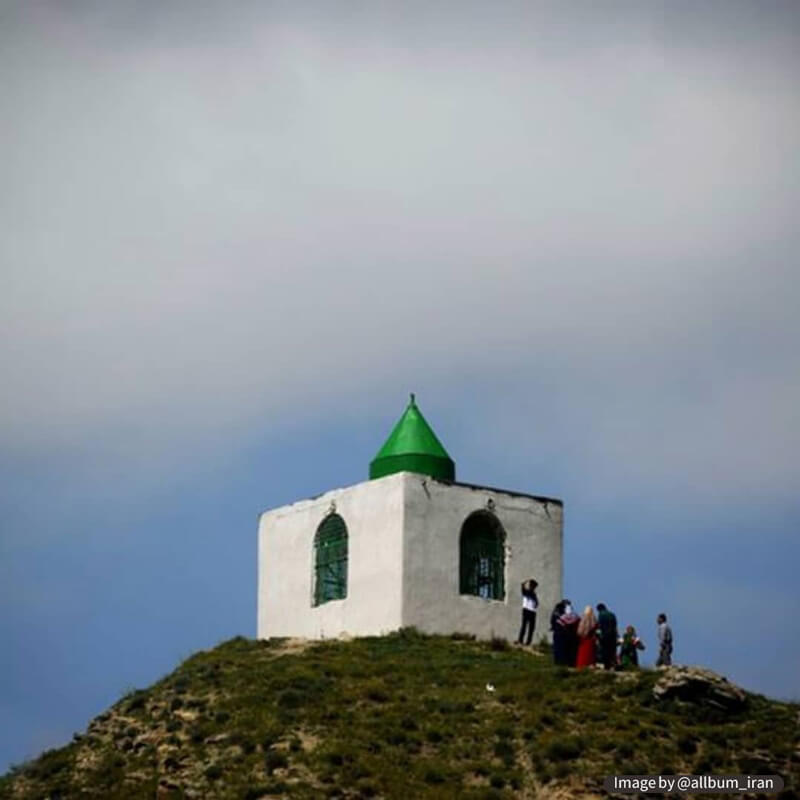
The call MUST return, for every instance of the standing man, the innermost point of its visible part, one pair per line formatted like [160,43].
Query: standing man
[558,632]
[607,623]
[530,603]
[664,641]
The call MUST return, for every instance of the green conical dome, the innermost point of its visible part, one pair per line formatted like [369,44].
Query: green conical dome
[413,447]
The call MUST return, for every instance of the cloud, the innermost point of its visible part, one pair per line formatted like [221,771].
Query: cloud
[207,218]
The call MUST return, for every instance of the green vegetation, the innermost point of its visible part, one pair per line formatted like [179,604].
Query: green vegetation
[399,716]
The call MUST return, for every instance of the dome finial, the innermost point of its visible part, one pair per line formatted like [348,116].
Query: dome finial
[412,446]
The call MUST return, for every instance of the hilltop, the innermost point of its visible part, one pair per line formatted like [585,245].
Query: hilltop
[402,716]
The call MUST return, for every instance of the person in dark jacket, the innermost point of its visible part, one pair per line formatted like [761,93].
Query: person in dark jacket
[558,633]
[530,603]
[607,624]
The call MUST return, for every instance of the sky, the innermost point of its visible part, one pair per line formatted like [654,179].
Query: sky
[233,237]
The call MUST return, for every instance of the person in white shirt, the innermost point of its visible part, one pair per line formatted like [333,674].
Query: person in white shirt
[530,604]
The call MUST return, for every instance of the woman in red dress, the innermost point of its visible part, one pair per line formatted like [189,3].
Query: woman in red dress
[587,628]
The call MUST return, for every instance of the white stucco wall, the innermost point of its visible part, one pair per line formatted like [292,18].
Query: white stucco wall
[434,514]
[373,513]
[403,560]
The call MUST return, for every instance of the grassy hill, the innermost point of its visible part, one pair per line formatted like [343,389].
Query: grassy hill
[402,716]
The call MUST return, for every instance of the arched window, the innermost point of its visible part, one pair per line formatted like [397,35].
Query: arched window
[482,556]
[330,560]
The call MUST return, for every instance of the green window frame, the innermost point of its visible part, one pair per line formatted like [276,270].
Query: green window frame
[330,560]
[482,556]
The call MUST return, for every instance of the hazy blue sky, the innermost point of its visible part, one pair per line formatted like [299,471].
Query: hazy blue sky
[234,236]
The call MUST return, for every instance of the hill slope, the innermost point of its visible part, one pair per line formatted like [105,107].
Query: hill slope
[402,716]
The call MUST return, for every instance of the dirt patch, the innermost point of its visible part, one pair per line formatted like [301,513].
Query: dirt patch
[291,647]
[571,789]
[308,740]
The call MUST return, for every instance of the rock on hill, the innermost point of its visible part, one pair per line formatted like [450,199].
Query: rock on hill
[408,716]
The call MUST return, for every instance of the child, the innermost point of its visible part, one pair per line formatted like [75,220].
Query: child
[631,643]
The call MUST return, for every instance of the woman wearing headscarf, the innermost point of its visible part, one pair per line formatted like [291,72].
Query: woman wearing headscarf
[568,622]
[587,637]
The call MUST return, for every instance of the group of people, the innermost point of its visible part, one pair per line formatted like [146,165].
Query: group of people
[589,639]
